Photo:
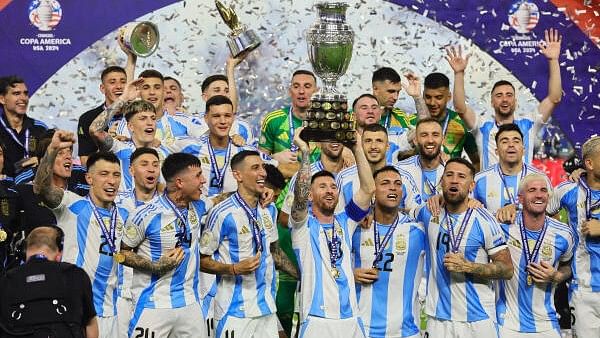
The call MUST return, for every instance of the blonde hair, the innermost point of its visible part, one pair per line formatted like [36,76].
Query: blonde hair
[530,178]
[590,147]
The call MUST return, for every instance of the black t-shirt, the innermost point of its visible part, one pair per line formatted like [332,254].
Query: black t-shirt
[9,220]
[86,144]
[16,143]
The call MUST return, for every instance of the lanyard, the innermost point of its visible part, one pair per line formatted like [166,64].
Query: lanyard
[183,219]
[110,233]
[531,256]
[293,147]
[432,187]
[332,245]
[456,239]
[445,125]
[512,198]
[219,173]
[589,206]
[252,217]
[12,134]
[379,245]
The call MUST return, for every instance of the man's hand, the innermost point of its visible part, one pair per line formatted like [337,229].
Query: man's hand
[247,265]
[507,214]
[414,85]
[238,140]
[32,161]
[347,158]
[234,61]
[298,141]
[365,276]
[62,139]
[575,176]
[132,90]
[267,197]
[473,203]
[455,59]
[286,157]
[125,50]
[435,204]
[456,262]
[170,260]
[591,228]
[542,272]
[550,47]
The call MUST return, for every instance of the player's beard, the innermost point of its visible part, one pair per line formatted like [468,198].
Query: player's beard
[455,199]
[426,156]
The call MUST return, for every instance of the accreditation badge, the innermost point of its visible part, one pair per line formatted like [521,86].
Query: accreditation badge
[4,207]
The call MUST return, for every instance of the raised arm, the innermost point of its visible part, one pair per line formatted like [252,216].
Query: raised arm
[50,194]
[299,210]
[458,63]
[131,61]
[414,90]
[362,197]
[232,62]
[550,48]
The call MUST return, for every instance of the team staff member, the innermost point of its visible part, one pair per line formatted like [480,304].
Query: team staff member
[9,217]
[44,295]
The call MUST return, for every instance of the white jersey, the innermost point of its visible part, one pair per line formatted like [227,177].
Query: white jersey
[230,237]
[123,150]
[389,306]
[86,245]
[428,181]
[496,190]
[485,137]
[327,291]
[586,265]
[348,184]
[456,296]
[155,229]
[530,308]
[168,127]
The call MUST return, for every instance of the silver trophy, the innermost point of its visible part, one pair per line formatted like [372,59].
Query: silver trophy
[141,38]
[330,41]
[241,39]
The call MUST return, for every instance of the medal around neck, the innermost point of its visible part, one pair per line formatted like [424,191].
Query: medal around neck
[330,40]
[241,39]
[141,38]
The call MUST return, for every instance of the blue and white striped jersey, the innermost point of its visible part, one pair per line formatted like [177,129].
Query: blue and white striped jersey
[456,296]
[389,306]
[324,295]
[485,137]
[153,230]
[495,190]
[427,181]
[348,183]
[586,265]
[86,246]
[229,238]
[530,308]
[238,127]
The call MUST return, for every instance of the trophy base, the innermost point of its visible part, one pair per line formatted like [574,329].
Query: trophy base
[243,42]
[328,120]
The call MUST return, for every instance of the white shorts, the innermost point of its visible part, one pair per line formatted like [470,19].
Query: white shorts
[124,312]
[185,321]
[256,327]
[506,333]
[332,328]
[436,328]
[586,305]
[107,327]
[208,311]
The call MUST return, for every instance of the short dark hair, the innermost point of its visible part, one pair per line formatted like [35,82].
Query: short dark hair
[175,163]
[363,96]
[322,173]
[151,73]
[174,79]
[436,80]
[274,176]
[112,69]
[386,73]
[138,106]
[387,168]
[238,158]
[9,81]
[374,128]
[218,100]
[508,127]
[428,120]
[209,80]
[304,72]
[463,162]
[502,83]
[142,151]
[101,155]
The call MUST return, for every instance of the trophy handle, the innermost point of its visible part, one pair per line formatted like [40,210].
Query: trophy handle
[228,15]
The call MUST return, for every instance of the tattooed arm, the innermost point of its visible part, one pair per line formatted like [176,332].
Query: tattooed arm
[299,210]
[501,266]
[414,90]
[282,262]
[50,194]
[169,261]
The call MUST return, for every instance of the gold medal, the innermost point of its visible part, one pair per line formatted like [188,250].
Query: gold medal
[529,280]
[119,257]
[3,235]
[335,273]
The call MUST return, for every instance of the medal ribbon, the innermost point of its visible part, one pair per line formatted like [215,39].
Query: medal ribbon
[219,173]
[432,187]
[16,139]
[293,147]
[334,253]
[588,199]
[531,256]
[445,125]
[183,220]
[512,198]
[380,246]
[253,218]
[110,233]
[456,239]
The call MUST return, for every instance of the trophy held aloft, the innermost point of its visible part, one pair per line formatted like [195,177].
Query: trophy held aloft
[330,41]
[241,39]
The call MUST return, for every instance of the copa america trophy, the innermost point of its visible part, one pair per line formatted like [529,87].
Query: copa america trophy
[141,38]
[330,42]
[241,39]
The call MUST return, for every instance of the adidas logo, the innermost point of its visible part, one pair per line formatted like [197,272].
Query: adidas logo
[167,227]
[368,242]
[244,230]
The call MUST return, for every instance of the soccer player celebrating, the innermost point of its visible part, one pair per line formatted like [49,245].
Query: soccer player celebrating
[466,251]
[582,202]
[389,258]
[496,187]
[166,266]
[92,225]
[321,240]
[504,102]
[541,249]
[239,245]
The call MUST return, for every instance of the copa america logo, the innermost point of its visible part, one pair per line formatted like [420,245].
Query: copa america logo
[523,16]
[45,14]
